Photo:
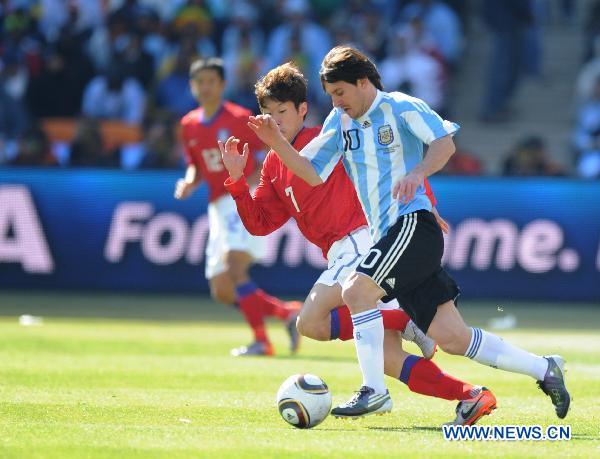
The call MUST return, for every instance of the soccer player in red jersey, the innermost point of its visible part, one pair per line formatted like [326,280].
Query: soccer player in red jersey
[230,249]
[338,227]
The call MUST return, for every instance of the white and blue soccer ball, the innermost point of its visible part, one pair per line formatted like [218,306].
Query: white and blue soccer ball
[304,400]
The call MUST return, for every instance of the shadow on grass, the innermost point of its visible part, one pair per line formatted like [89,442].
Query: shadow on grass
[407,429]
[200,308]
[319,358]
[585,437]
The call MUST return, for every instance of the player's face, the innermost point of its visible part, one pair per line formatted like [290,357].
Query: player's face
[208,87]
[289,118]
[349,97]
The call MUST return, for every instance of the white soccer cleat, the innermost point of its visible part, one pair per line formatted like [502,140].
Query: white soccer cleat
[364,403]
[425,343]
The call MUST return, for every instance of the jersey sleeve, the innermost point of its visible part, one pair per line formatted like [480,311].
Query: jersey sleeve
[424,123]
[190,158]
[429,193]
[325,150]
[261,213]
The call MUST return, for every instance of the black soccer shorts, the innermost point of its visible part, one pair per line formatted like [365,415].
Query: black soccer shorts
[406,263]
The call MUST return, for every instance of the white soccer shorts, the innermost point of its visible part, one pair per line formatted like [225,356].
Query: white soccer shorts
[343,258]
[227,233]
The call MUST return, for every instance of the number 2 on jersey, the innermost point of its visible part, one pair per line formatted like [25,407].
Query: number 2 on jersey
[289,192]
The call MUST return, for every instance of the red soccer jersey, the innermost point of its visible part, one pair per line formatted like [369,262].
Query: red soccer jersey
[281,195]
[200,143]
[324,213]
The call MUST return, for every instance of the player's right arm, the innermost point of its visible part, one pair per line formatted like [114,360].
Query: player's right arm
[431,129]
[188,184]
[445,227]
[262,213]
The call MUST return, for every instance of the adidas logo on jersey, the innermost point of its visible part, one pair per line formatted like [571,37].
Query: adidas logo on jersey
[366,124]
[391,281]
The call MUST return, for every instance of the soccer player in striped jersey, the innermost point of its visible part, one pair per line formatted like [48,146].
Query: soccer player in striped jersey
[339,228]
[379,137]
[230,249]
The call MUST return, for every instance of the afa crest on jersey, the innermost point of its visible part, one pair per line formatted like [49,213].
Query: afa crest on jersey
[223,135]
[385,135]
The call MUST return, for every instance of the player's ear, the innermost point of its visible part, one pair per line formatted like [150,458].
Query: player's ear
[303,109]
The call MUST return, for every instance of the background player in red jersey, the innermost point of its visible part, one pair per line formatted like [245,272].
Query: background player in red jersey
[230,249]
[330,216]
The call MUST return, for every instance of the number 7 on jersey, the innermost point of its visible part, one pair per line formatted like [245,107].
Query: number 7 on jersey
[289,192]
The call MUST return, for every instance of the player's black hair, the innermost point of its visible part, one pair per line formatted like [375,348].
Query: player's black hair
[212,63]
[344,63]
[284,83]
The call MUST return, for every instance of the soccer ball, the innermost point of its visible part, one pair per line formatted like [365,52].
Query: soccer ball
[304,400]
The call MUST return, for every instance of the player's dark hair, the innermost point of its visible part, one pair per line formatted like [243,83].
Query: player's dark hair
[212,63]
[283,84]
[344,63]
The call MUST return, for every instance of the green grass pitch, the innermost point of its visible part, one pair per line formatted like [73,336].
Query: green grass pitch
[151,376]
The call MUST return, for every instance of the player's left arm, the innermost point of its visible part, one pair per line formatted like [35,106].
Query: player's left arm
[438,154]
[428,127]
[445,227]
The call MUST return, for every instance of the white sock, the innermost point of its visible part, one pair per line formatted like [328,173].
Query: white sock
[368,339]
[492,350]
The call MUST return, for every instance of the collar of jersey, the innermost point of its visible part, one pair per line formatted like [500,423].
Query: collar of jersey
[365,117]
[209,121]
[296,136]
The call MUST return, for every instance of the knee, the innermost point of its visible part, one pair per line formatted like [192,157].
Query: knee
[356,297]
[237,268]
[312,329]
[222,292]
[350,295]
[238,274]
[360,293]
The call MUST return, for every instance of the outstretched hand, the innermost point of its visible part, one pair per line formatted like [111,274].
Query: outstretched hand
[233,161]
[266,129]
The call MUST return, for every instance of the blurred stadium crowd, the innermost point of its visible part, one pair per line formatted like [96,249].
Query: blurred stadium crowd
[103,83]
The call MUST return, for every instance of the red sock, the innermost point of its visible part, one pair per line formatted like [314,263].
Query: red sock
[394,319]
[272,306]
[425,377]
[251,306]
[341,322]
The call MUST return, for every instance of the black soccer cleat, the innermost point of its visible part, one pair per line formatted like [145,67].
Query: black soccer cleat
[553,385]
[364,403]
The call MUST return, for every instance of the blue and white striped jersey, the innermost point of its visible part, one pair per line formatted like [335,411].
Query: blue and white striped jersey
[377,150]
